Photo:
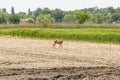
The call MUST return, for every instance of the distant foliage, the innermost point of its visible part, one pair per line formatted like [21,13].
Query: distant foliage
[12,10]
[83,16]
[116,17]
[69,18]
[58,15]
[45,19]
[14,19]
[3,18]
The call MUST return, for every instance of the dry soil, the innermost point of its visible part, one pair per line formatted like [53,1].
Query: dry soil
[35,59]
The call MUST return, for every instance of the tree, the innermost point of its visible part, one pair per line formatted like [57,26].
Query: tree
[4,10]
[22,15]
[2,20]
[110,10]
[58,15]
[29,12]
[46,11]
[81,17]
[107,18]
[98,18]
[12,10]
[69,18]
[45,19]
[116,17]
[37,12]
[3,17]
[14,19]
[117,10]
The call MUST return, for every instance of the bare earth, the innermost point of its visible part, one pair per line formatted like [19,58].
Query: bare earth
[34,59]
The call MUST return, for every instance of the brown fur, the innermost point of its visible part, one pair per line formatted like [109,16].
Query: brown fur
[60,42]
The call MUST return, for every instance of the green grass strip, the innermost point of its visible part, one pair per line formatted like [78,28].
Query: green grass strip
[81,34]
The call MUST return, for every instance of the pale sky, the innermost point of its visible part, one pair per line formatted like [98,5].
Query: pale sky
[23,5]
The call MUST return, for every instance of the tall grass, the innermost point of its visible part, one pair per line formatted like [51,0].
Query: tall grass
[82,34]
[59,25]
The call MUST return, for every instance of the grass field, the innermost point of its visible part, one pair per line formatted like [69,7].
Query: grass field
[81,34]
[59,25]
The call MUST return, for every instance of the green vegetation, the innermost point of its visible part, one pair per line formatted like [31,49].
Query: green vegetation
[45,15]
[81,34]
[59,25]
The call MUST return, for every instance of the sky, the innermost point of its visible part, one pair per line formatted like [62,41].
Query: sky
[23,5]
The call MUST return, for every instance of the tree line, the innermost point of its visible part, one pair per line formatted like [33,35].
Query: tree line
[46,15]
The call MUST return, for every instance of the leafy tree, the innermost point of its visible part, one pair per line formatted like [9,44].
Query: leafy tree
[69,18]
[107,19]
[81,17]
[58,15]
[29,12]
[90,10]
[98,18]
[37,12]
[46,11]
[110,10]
[117,10]
[22,15]
[45,19]
[14,19]
[3,17]
[4,10]
[92,19]
[116,17]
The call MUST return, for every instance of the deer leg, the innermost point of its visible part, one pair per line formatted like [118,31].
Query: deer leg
[54,45]
[60,46]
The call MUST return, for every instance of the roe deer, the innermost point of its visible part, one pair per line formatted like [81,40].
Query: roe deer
[60,42]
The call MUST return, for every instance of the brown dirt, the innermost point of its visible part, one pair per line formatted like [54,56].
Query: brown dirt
[34,59]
